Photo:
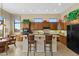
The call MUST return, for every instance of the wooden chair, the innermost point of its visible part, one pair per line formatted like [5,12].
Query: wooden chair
[30,42]
[48,40]
[4,47]
[11,40]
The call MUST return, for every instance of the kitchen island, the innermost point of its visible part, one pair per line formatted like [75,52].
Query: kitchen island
[40,37]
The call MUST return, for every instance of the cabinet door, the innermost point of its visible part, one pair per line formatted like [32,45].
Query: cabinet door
[63,40]
[37,26]
[41,25]
[46,24]
[32,25]
[63,25]
[53,26]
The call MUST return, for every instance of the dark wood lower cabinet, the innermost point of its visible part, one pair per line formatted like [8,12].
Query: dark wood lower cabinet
[63,39]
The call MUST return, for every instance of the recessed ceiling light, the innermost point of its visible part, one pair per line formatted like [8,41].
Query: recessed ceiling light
[23,10]
[38,10]
[47,10]
[30,10]
[59,4]
[54,10]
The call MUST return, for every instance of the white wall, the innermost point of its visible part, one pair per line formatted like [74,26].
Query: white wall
[74,7]
[7,18]
[44,16]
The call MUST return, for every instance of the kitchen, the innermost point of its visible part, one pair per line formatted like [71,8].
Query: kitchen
[38,21]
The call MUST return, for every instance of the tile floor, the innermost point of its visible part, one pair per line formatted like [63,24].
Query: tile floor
[17,51]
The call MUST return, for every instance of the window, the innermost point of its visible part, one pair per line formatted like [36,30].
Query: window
[16,25]
[1,32]
[37,20]
[1,26]
[1,18]
[52,20]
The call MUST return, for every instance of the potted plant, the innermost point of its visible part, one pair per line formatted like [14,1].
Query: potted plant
[25,23]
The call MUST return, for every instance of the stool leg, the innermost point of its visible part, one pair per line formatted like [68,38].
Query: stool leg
[28,50]
[45,48]
[15,44]
[30,47]
[6,48]
[51,49]
[34,48]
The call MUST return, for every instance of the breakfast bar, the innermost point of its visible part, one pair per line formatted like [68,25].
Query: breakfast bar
[40,42]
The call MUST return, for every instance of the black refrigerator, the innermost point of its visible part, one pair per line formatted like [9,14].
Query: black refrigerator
[73,37]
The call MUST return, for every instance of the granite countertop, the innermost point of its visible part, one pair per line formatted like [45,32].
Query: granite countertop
[59,32]
[63,33]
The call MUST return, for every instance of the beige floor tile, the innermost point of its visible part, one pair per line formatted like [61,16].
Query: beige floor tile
[17,51]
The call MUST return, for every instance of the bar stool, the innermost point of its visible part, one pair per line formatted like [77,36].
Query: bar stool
[48,40]
[30,42]
[12,40]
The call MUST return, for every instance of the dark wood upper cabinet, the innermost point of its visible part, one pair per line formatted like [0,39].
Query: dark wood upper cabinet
[46,24]
[63,25]
[53,26]
[41,25]
[37,26]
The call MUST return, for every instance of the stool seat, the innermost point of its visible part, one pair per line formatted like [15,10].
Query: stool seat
[47,42]
[31,42]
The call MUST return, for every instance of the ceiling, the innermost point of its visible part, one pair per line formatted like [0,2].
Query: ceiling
[36,8]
